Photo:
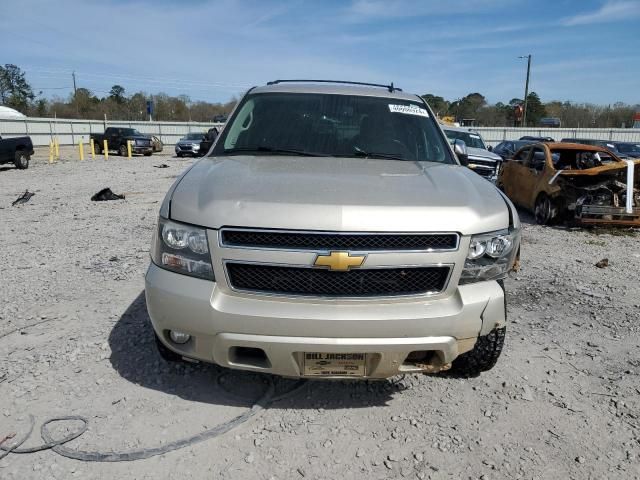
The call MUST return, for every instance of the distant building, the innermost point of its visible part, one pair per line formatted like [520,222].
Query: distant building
[10,113]
[636,120]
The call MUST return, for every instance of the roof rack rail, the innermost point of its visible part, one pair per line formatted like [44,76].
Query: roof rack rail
[389,87]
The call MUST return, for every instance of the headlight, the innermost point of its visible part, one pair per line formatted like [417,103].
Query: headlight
[196,146]
[182,249]
[491,256]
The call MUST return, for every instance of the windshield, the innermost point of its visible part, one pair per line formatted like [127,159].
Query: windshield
[130,132]
[628,148]
[193,136]
[469,138]
[315,124]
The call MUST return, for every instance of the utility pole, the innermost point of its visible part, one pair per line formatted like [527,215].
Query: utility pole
[526,89]
[75,98]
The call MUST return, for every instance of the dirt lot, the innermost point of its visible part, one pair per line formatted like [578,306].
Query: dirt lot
[75,340]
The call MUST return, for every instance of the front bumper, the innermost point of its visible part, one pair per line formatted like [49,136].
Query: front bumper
[187,149]
[219,321]
[141,150]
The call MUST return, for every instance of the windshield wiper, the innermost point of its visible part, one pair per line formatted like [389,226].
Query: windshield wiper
[358,152]
[287,151]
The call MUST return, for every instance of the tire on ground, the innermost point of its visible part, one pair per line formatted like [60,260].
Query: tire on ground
[122,150]
[21,160]
[482,357]
[545,210]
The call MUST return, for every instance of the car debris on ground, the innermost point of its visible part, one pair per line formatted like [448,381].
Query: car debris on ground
[106,194]
[24,198]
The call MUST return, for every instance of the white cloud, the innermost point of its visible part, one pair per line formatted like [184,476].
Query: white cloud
[610,11]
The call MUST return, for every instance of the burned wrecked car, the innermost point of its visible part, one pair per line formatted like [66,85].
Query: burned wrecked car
[577,183]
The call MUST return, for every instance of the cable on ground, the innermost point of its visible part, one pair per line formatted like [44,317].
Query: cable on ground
[57,445]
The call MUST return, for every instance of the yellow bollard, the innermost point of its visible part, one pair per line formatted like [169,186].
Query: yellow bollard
[129,149]
[81,149]
[51,151]
[93,149]
[57,147]
[106,149]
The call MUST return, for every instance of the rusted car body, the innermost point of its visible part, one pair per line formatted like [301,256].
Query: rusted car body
[566,181]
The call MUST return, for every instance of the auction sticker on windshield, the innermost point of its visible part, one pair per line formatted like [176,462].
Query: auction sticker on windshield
[334,364]
[408,110]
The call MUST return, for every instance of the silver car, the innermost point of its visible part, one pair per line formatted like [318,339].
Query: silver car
[332,232]
[189,144]
[481,160]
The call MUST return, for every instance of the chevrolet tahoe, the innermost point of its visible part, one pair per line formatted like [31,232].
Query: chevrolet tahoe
[332,232]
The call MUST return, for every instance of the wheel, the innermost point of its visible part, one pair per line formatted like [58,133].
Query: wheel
[122,150]
[545,211]
[179,155]
[482,357]
[97,148]
[21,160]
[166,354]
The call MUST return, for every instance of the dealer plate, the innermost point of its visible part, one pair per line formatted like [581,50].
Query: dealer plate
[323,364]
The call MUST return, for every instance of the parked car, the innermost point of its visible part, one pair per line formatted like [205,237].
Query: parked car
[609,145]
[157,144]
[623,149]
[117,139]
[581,183]
[16,150]
[537,139]
[208,140]
[220,118]
[481,159]
[189,144]
[507,148]
[332,232]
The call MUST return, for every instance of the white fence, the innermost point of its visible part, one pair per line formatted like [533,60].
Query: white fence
[495,135]
[70,132]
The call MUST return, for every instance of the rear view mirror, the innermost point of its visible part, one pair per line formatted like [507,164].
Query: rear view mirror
[490,148]
[460,149]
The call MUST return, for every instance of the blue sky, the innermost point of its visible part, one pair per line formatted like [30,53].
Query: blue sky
[583,50]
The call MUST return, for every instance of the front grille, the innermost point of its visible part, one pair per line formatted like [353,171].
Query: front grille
[339,241]
[185,147]
[352,283]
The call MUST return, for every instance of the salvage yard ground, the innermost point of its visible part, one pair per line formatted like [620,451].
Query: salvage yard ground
[75,339]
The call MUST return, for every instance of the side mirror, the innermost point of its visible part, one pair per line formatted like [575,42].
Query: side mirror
[460,149]
[490,148]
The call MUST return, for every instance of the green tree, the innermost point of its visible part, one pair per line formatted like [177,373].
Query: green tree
[15,91]
[438,104]
[117,94]
[535,109]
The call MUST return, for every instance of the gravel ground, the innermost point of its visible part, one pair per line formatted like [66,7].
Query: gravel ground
[75,340]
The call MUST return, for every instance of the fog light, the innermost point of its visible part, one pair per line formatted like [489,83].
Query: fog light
[179,337]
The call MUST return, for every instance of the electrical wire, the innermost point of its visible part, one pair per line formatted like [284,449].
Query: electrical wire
[58,445]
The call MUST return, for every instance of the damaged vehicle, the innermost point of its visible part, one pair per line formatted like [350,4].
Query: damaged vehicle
[582,184]
[481,159]
[332,232]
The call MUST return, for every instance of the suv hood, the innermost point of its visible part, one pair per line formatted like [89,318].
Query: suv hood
[336,194]
[482,153]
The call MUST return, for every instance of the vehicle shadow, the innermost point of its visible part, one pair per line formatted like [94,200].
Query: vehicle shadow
[134,356]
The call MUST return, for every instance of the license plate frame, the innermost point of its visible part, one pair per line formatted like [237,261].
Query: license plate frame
[334,364]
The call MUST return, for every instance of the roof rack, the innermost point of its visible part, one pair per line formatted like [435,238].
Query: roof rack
[390,87]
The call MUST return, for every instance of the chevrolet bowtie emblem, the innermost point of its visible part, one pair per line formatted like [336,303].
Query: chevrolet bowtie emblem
[339,261]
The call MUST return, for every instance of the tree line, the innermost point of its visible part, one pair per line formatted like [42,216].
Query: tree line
[475,109]
[16,92]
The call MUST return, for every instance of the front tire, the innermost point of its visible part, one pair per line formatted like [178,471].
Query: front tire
[122,150]
[21,160]
[545,210]
[97,148]
[482,357]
